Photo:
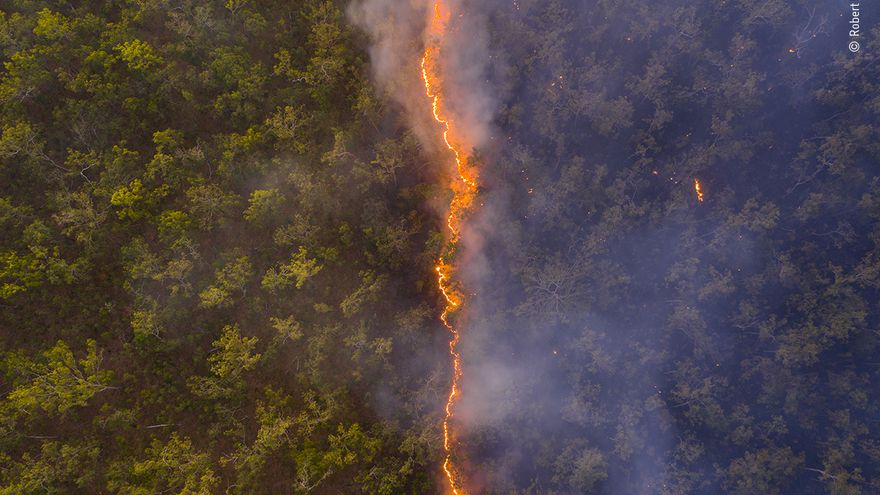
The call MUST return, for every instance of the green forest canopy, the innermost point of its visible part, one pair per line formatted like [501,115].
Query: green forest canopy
[214,247]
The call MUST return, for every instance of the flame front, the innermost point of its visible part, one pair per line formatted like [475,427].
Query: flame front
[464,191]
[699,190]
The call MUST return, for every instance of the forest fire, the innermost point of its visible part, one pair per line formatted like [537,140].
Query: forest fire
[464,189]
[439,247]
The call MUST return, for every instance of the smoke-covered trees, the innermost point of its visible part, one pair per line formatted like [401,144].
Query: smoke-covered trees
[722,346]
[764,471]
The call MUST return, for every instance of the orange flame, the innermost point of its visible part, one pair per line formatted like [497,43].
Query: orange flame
[464,191]
[699,190]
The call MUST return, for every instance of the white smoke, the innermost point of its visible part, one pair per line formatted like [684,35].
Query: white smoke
[396,29]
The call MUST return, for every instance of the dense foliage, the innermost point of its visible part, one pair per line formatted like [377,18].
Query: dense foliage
[214,249]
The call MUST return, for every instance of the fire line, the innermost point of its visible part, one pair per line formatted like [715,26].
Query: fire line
[464,190]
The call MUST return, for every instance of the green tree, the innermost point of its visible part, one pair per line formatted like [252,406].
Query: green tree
[173,466]
[58,381]
[263,205]
[231,278]
[231,357]
[295,272]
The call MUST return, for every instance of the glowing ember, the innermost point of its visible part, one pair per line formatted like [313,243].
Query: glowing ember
[464,190]
[699,190]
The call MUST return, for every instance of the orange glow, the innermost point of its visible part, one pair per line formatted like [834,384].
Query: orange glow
[699,190]
[464,191]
